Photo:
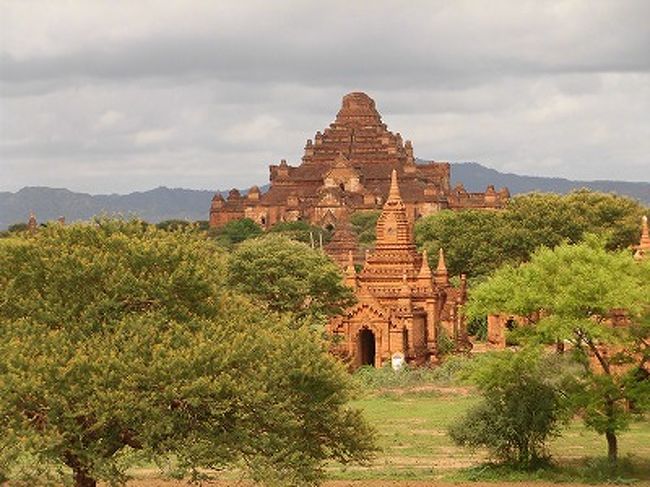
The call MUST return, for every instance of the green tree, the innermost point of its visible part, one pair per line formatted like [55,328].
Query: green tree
[173,224]
[18,227]
[364,224]
[118,336]
[477,242]
[577,288]
[522,407]
[550,219]
[302,232]
[236,231]
[289,276]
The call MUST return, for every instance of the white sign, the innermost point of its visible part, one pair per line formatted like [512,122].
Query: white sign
[397,361]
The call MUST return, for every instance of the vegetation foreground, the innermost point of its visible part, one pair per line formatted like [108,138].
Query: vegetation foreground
[416,450]
[135,352]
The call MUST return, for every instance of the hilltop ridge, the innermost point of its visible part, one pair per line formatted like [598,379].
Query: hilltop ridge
[164,203]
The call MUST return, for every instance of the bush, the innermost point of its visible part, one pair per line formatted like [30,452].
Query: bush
[521,409]
[236,231]
[371,379]
[302,232]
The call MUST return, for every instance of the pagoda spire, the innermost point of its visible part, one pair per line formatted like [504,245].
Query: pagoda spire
[442,275]
[393,226]
[393,192]
[32,224]
[425,270]
[645,235]
[350,272]
[643,249]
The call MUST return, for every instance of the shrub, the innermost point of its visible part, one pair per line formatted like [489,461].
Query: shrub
[521,409]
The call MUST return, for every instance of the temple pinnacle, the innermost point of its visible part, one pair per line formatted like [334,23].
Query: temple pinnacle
[442,266]
[425,270]
[643,249]
[393,193]
[442,276]
[350,270]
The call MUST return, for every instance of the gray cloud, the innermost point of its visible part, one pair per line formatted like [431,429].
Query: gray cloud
[106,96]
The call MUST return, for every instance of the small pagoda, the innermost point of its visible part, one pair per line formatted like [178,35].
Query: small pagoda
[403,307]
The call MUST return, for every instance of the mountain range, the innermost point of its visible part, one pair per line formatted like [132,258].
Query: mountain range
[166,203]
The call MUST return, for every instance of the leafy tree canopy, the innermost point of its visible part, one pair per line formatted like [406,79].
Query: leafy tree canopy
[577,289]
[18,227]
[364,223]
[477,242]
[173,224]
[522,407]
[117,337]
[289,276]
[236,231]
[302,232]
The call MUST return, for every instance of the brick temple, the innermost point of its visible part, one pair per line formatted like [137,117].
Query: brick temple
[402,306]
[347,168]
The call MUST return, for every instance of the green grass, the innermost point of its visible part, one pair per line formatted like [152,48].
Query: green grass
[411,428]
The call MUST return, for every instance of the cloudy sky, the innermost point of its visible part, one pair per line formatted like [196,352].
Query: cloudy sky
[119,96]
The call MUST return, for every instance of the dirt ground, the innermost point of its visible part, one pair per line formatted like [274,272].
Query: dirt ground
[370,483]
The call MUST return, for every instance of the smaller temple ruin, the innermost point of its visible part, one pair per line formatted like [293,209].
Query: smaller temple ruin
[403,307]
[642,250]
[499,324]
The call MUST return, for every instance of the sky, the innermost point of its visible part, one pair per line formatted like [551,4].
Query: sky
[122,96]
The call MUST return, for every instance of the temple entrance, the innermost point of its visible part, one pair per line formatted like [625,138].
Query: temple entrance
[367,347]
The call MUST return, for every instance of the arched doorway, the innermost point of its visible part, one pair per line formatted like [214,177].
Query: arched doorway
[367,347]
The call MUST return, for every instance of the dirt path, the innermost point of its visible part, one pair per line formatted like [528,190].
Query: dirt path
[372,483]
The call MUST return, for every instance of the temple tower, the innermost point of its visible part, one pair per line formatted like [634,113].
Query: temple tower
[643,249]
[402,305]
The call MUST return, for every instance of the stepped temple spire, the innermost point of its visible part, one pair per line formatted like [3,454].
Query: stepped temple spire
[344,241]
[348,167]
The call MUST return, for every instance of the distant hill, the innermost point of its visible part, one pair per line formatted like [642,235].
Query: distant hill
[153,205]
[164,203]
[476,177]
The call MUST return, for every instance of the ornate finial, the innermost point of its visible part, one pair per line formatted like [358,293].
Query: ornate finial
[442,276]
[425,270]
[442,266]
[393,193]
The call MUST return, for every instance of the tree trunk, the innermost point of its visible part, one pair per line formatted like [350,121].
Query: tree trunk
[612,446]
[81,477]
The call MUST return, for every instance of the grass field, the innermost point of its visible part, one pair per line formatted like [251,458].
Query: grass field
[415,450]
[414,445]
